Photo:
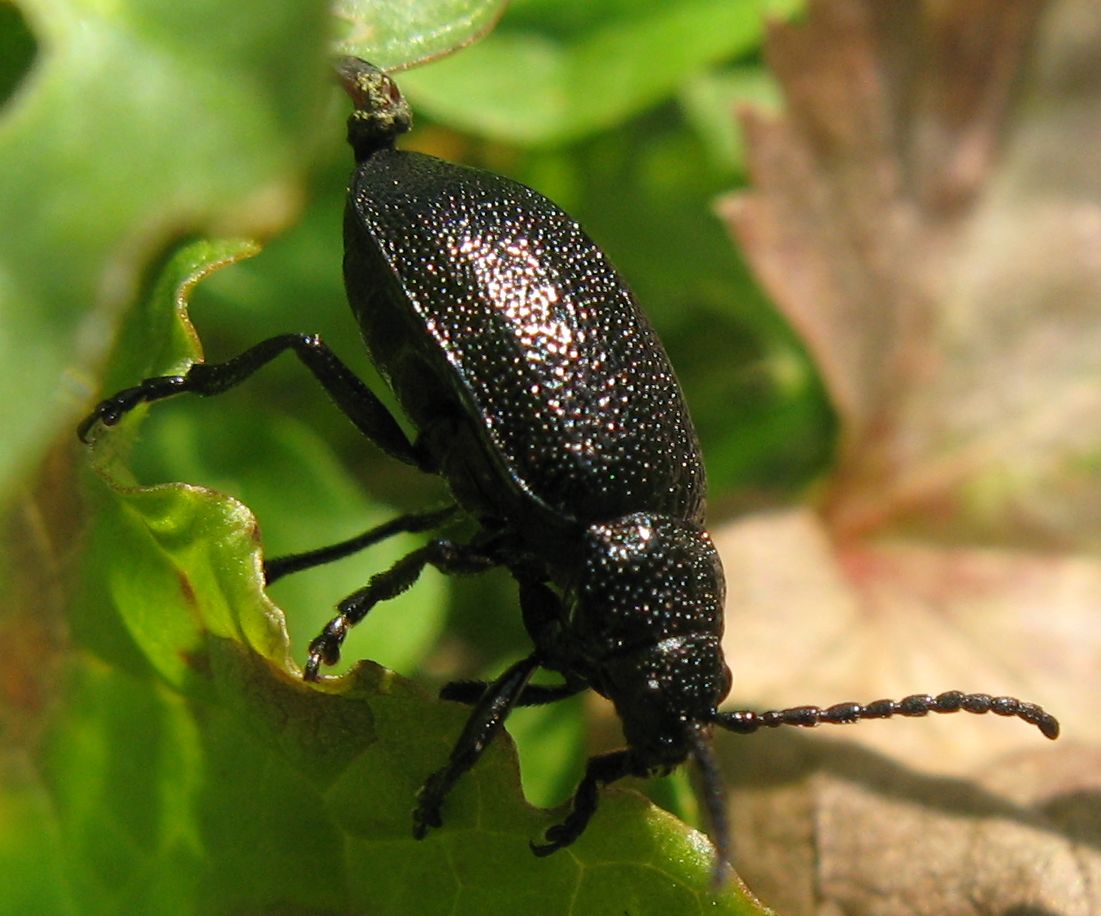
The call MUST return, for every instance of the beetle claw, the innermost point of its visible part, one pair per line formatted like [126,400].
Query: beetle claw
[556,837]
[425,815]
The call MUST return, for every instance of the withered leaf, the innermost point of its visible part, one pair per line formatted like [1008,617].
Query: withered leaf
[927,214]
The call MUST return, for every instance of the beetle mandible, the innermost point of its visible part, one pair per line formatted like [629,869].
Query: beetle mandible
[541,394]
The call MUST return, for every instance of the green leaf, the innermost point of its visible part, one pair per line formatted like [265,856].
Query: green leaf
[398,34]
[283,796]
[538,87]
[157,555]
[325,505]
[712,100]
[127,132]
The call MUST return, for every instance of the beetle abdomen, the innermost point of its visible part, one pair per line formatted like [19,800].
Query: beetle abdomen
[536,333]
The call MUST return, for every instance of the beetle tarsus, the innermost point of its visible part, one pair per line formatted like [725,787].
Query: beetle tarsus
[446,556]
[556,837]
[426,814]
[599,771]
[325,648]
[110,411]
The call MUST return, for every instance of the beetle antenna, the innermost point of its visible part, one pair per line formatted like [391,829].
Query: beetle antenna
[745,721]
[714,800]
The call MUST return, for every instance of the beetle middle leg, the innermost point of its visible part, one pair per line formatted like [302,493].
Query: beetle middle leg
[543,615]
[446,556]
[278,567]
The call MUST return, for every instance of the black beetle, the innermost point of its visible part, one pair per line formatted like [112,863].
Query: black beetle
[543,397]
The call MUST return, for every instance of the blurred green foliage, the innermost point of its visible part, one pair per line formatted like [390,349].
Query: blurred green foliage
[167,759]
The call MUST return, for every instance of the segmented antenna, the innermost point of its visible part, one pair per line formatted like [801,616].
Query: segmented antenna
[714,800]
[745,721]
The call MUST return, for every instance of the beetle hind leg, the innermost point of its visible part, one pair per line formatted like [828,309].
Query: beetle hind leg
[354,399]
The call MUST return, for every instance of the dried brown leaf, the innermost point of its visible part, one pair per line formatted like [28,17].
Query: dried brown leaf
[813,621]
[823,826]
[927,214]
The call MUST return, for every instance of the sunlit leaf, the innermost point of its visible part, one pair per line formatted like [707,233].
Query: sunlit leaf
[396,34]
[126,133]
[532,87]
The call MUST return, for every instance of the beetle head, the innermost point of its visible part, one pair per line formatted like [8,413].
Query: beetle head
[381,112]
[649,609]
[663,694]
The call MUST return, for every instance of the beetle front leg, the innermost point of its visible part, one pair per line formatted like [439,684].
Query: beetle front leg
[600,771]
[446,556]
[470,692]
[485,721]
[543,614]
